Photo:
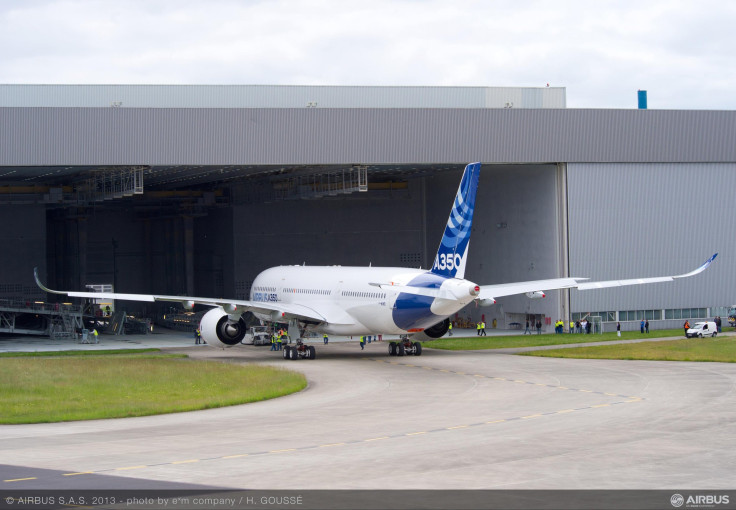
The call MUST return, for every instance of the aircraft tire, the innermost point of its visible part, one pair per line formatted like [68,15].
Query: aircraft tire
[417,349]
[402,351]
[286,352]
[312,352]
[293,354]
[392,349]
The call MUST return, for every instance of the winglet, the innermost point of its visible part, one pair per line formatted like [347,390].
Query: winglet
[453,251]
[700,269]
[42,286]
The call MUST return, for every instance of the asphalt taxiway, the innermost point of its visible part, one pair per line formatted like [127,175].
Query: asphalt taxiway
[443,420]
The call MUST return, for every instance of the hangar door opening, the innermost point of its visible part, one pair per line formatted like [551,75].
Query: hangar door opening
[519,234]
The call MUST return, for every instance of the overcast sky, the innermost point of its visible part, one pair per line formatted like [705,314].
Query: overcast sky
[682,52]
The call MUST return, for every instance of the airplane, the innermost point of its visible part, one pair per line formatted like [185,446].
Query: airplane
[337,300]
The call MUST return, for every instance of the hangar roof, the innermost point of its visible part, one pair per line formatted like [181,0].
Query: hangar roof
[278,96]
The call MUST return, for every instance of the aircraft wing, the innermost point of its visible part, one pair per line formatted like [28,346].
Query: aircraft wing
[509,289]
[231,306]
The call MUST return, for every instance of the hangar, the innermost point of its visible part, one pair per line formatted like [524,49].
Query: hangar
[193,190]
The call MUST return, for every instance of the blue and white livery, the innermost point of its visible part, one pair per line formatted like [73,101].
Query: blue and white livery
[453,252]
[372,300]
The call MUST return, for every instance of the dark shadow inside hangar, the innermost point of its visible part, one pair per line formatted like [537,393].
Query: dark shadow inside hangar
[207,232]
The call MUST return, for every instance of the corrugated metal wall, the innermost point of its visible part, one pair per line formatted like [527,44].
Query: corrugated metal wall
[123,136]
[278,96]
[635,220]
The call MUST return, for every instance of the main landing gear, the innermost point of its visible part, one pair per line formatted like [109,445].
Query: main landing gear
[300,351]
[404,347]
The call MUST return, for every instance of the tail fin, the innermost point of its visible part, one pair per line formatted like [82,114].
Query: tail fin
[453,251]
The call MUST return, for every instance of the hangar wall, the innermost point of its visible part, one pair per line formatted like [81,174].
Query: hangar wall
[650,219]
[515,237]
[376,227]
[149,252]
[342,136]
[23,238]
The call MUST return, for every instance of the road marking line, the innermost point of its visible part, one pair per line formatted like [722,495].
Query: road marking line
[495,421]
[333,444]
[280,451]
[457,427]
[376,438]
[185,461]
[586,391]
[130,467]
[531,416]
[235,456]
[21,479]
[566,411]
[603,405]
[80,473]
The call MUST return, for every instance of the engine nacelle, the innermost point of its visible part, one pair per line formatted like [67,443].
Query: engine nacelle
[436,331]
[486,302]
[218,329]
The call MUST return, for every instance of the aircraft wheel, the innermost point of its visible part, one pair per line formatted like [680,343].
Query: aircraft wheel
[293,353]
[417,349]
[392,349]
[286,352]
[402,350]
[312,352]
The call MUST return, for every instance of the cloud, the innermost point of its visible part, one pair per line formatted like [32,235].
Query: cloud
[681,51]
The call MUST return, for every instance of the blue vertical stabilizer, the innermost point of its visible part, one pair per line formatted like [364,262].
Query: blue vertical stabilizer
[453,252]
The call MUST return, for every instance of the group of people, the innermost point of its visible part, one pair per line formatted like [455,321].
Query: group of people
[277,339]
[583,326]
[537,325]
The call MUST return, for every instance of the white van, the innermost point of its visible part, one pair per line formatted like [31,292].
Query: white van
[701,329]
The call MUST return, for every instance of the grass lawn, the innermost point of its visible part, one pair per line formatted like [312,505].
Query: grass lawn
[721,349]
[52,388]
[500,342]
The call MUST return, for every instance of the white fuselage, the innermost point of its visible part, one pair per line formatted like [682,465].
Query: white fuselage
[364,300]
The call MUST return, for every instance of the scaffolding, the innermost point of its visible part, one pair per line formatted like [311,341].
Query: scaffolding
[339,182]
[60,320]
[111,183]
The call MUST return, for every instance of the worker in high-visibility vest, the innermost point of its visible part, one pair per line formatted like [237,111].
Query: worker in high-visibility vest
[324,337]
[449,329]
[362,343]
[273,342]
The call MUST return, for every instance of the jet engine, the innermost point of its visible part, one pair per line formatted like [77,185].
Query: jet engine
[436,331]
[218,329]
